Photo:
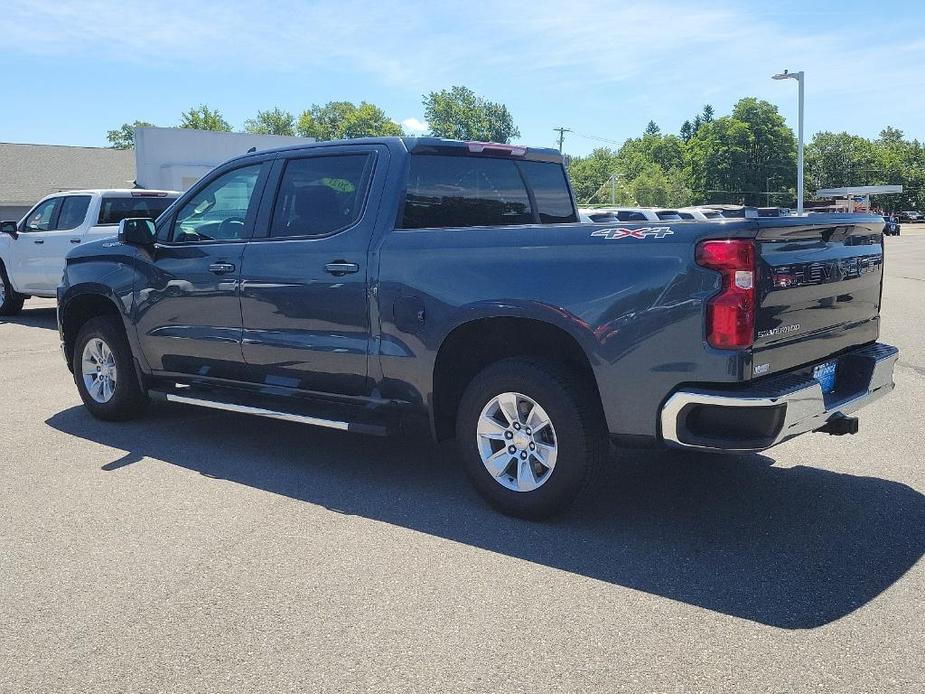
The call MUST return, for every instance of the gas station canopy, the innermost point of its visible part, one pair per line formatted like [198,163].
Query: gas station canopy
[857,190]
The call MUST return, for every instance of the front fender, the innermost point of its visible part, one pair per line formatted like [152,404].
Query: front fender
[110,276]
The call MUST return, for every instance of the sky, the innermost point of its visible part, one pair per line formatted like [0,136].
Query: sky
[70,71]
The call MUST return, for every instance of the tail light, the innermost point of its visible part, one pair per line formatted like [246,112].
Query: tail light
[731,313]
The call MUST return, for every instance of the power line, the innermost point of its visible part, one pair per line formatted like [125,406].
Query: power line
[599,139]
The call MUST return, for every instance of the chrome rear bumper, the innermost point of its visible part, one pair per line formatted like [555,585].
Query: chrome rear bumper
[773,410]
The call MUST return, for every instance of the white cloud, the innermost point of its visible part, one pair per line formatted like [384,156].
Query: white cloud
[414,126]
[540,57]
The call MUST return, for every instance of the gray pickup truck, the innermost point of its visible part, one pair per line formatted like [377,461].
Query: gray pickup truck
[423,284]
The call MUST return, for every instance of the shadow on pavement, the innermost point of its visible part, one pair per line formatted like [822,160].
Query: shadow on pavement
[34,318]
[794,548]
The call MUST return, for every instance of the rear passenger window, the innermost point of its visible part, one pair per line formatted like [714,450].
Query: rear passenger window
[550,190]
[73,211]
[460,191]
[114,210]
[321,195]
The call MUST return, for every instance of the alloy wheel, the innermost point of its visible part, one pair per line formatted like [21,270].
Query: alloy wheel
[517,442]
[98,367]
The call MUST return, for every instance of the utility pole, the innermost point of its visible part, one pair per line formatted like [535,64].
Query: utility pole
[562,132]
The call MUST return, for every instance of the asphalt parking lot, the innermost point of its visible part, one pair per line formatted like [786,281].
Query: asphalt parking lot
[196,551]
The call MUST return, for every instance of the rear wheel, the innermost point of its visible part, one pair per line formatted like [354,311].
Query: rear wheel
[104,371]
[531,436]
[10,302]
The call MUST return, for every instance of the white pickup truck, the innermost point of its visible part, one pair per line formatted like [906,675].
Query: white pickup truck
[32,250]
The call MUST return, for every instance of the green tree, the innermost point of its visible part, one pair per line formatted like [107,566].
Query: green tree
[652,129]
[274,122]
[900,161]
[339,120]
[123,137]
[732,159]
[650,188]
[460,114]
[667,151]
[687,131]
[589,174]
[839,159]
[204,118]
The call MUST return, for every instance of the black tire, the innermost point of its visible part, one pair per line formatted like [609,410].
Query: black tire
[128,399]
[10,302]
[580,433]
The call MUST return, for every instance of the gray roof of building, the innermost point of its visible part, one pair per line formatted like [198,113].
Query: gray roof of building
[30,172]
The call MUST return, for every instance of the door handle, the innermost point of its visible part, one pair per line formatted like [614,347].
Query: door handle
[38,241]
[221,268]
[341,268]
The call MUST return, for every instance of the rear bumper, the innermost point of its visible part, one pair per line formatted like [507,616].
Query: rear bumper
[773,410]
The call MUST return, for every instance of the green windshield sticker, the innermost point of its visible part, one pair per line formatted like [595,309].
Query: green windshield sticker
[339,184]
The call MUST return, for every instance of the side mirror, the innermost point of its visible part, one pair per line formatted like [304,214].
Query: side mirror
[11,228]
[137,231]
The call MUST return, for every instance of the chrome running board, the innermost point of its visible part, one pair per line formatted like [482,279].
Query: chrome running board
[273,414]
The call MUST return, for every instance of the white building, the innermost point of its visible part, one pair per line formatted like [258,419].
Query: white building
[175,158]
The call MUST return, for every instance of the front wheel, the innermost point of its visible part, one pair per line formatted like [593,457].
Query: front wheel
[10,302]
[104,372]
[531,435]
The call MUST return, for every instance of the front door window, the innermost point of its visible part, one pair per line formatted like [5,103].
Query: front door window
[218,211]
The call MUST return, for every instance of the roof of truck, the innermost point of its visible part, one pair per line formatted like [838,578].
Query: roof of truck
[430,145]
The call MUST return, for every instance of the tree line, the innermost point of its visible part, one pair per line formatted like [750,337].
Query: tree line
[747,157]
[457,113]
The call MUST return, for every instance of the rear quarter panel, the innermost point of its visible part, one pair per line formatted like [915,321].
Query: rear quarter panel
[635,305]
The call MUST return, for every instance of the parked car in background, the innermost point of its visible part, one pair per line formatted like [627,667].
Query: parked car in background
[911,216]
[607,215]
[735,211]
[32,250]
[699,214]
[774,212]
[423,285]
[891,226]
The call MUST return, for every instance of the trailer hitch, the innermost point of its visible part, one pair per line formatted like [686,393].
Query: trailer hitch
[840,425]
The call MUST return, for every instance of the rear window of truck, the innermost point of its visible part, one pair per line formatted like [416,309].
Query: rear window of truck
[459,191]
[114,210]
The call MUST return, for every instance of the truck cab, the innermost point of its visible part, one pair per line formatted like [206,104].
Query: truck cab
[32,250]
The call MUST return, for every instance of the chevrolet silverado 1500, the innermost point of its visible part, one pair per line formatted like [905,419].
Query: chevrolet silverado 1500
[369,285]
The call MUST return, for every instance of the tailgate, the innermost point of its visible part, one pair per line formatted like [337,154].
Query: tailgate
[818,282]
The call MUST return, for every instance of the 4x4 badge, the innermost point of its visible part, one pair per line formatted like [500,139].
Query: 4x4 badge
[644,232]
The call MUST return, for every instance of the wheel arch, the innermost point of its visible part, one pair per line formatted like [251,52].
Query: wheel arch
[79,307]
[473,344]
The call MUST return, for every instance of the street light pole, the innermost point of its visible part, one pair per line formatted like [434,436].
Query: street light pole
[799,77]
[800,149]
